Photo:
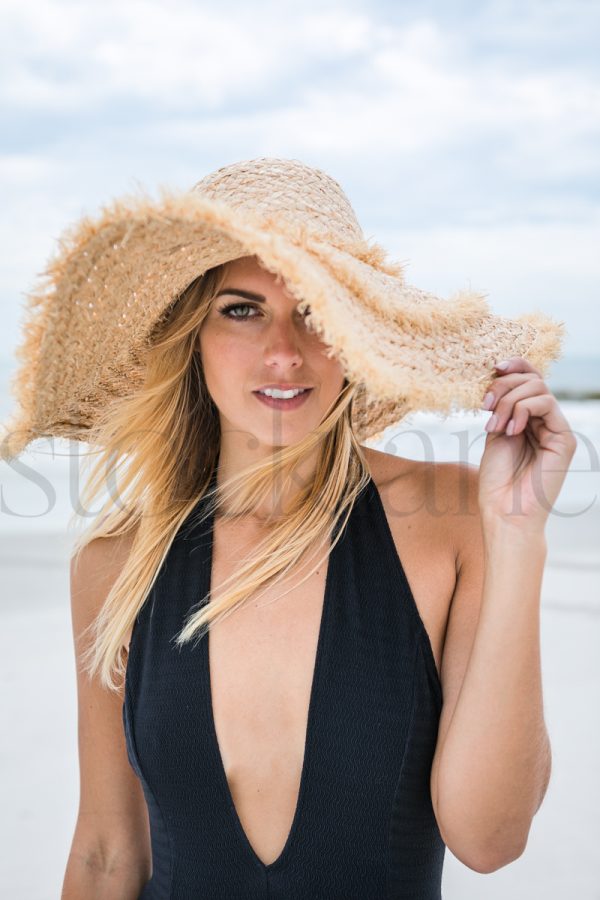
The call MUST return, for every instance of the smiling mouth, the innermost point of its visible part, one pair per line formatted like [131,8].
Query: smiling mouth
[283,402]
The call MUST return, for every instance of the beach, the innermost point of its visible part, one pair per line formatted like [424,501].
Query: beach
[39,776]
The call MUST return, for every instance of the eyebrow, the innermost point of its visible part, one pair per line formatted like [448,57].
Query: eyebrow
[240,292]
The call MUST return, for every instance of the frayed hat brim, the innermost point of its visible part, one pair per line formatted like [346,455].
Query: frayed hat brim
[113,276]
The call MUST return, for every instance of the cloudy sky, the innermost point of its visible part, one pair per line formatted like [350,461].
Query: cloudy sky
[466,134]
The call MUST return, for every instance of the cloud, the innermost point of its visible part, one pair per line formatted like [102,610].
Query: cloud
[174,55]
[465,131]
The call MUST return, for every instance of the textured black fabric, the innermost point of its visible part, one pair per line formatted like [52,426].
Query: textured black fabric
[364,827]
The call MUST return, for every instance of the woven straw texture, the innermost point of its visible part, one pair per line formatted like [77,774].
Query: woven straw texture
[87,322]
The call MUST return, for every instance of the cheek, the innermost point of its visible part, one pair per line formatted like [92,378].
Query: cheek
[226,358]
[332,372]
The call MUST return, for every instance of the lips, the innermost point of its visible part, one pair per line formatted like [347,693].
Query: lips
[285,387]
[300,390]
[281,403]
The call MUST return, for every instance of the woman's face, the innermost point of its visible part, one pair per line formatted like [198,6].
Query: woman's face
[257,340]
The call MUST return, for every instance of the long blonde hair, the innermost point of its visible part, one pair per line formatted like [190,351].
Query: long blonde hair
[159,447]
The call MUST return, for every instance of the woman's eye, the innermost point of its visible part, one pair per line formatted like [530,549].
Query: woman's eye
[225,311]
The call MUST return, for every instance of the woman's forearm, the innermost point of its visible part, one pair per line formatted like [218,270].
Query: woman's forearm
[495,762]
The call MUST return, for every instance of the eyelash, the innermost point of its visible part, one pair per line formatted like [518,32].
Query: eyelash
[224,311]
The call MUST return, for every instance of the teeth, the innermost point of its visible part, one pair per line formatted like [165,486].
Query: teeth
[282,395]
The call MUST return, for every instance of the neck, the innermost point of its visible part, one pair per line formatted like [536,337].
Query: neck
[281,497]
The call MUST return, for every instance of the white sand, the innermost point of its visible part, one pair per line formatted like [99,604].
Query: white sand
[39,773]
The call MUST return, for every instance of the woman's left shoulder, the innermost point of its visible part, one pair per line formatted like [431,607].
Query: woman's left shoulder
[445,488]
[438,501]
[433,512]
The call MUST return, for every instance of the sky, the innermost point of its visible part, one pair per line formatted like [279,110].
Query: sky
[466,135]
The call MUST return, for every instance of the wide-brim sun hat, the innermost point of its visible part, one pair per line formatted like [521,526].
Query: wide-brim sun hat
[87,321]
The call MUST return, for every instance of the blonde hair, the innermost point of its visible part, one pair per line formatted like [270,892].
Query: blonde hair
[160,446]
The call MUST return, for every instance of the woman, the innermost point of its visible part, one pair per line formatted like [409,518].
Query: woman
[372,692]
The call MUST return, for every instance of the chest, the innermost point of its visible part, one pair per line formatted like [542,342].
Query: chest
[262,655]
[262,660]
[275,676]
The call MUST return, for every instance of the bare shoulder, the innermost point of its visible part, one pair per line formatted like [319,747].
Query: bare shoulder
[433,513]
[439,499]
[445,489]
[94,571]
[102,558]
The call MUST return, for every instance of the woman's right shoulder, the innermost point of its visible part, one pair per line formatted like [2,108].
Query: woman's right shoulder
[93,572]
[101,559]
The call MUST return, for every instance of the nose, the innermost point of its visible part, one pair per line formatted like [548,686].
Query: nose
[283,345]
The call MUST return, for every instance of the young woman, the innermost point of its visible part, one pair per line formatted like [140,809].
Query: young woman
[328,655]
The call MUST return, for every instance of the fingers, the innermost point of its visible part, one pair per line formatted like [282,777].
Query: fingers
[516,371]
[501,386]
[517,364]
[516,413]
[520,394]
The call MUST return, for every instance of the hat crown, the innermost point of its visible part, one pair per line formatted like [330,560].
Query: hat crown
[288,193]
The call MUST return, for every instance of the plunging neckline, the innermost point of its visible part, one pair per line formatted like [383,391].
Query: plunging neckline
[311,728]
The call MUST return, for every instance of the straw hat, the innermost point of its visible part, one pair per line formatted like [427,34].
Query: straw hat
[86,323]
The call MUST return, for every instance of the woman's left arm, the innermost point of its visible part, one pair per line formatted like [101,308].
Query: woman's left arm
[492,761]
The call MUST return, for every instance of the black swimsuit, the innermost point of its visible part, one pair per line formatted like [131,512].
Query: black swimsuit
[364,827]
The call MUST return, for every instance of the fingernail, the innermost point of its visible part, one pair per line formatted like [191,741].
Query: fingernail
[488,400]
[492,422]
[503,365]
